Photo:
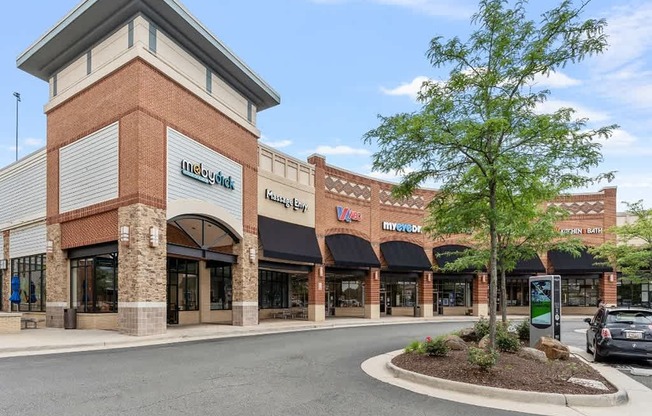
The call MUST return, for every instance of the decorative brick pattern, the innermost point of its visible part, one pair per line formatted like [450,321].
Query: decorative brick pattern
[414,201]
[347,188]
[581,208]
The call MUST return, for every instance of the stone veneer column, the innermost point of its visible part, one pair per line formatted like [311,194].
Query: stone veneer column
[204,292]
[57,282]
[372,294]
[480,295]
[245,281]
[425,294]
[142,272]
[316,296]
[6,274]
[608,287]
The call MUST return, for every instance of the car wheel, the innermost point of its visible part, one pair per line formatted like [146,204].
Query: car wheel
[596,355]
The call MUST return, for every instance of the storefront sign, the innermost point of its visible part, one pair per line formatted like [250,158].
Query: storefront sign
[347,214]
[199,172]
[287,202]
[576,231]
[400,227]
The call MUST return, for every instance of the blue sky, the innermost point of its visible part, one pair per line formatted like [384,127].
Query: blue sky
[337,64]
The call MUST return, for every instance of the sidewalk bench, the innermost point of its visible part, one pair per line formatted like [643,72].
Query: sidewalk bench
[27,323]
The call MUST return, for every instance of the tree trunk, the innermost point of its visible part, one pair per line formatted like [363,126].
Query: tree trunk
[503,295]
[493,266]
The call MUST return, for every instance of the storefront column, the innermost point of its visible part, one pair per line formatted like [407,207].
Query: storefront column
[481,295]
[142,271]
[245,281]
[372,294]
[56,280]
[316,296]
[204,293]
[425,295]
[6,274]
[608,287]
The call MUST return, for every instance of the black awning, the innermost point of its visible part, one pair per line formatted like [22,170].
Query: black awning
[287,241]
[351,251]
[443,259]
[564,262]
[401,255]
[532,265]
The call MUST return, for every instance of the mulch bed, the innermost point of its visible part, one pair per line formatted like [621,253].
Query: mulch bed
[510,372]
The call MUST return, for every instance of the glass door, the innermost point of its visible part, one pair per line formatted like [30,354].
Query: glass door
[383,310]
[173,298]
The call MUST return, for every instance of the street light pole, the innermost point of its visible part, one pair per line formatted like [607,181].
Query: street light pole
[17,95]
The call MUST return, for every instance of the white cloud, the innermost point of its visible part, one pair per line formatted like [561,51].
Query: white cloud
[555,80]
[410,89]
[550,106]
[340,150]
[278,144]
[32,142]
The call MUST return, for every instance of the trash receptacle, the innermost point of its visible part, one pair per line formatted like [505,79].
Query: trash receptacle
[417,311]
[70,318]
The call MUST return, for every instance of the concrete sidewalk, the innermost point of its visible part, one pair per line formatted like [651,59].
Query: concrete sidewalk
[56,340]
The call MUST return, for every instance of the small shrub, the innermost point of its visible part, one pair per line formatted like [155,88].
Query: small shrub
[414,346]
[523,330]
[483,359]
[507,341]
[481,328]
[436,347]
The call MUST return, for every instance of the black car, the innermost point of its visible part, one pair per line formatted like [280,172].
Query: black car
[620,332]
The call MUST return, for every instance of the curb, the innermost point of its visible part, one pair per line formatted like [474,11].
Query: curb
[585,400]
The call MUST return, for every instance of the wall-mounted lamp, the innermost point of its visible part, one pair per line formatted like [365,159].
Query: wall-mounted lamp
[153,237]
[611,278]
[124,234]
[319,286]
[483,277]
[252,255]
[375,274]
[429,277]
[49,246]
[3,264]
[321,272]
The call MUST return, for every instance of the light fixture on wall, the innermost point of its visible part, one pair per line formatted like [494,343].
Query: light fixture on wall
[611,277]
[3,264]
[375,274]
[429,277]
[252,255]
[49,246]
[321,271]
[153,237]
[124,234]
[483,277]
[319,286]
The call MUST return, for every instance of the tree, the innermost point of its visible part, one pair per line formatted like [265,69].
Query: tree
[478,133]
[631,254]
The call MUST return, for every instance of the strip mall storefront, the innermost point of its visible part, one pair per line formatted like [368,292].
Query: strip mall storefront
[154,203]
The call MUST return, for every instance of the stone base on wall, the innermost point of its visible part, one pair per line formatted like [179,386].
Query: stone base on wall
[142,318]
[372,311]
[54,315]
[426,310]
[245,313]
[316,313]
[480,309]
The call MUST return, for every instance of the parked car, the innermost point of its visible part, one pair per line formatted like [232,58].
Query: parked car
[620,332]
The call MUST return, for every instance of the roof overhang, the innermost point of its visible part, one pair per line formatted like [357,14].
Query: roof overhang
[92,20]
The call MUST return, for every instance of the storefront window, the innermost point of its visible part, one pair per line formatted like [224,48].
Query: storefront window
[517,292]
[31,272]
[183,274]
[349,293]
[632,293]
[273,289]
[94,283]
[452,293]
[579,291]
[401,293]
[221,288]
[299,290]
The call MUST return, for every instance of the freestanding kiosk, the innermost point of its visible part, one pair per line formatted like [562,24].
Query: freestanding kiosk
[545,307]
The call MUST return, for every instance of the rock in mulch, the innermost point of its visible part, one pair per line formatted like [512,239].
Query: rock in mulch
[484,342]
[532,354]
[467,334]
[455,343]
[594,384]
[554,349]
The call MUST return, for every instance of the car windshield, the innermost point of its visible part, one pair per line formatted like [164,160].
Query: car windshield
[630,317]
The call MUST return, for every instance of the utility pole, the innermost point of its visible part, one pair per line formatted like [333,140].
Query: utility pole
[17,95]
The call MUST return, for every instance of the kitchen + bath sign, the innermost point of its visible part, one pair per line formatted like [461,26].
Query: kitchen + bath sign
[199,172]
[345,214]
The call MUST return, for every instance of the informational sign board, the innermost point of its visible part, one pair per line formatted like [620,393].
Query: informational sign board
[545,307]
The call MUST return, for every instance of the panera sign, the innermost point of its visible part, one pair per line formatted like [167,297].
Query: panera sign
[578,231]
[293,203]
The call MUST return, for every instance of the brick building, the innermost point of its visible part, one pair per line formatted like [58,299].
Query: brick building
[154,204]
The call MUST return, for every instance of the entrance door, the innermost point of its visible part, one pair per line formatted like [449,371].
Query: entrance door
[383,310]
[436,303]
[173,301]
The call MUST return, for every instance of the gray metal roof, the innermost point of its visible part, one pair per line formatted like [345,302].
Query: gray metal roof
[92,20]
